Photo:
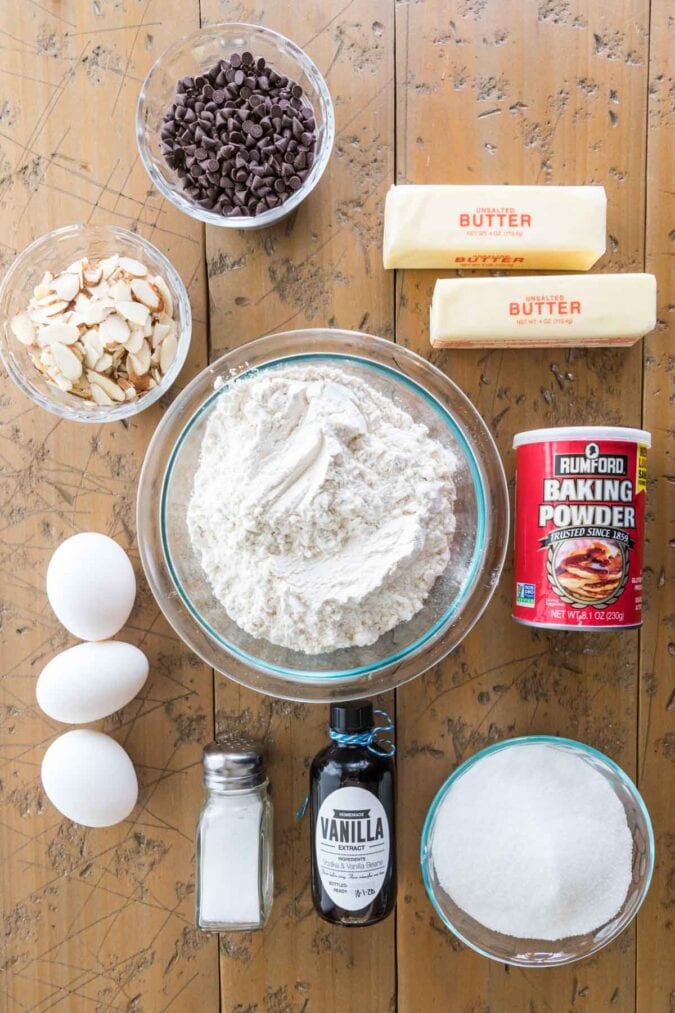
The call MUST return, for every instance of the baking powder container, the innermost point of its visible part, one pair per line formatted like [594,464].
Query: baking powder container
[579,527]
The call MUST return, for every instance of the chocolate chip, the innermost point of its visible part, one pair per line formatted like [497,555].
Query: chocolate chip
[239,137]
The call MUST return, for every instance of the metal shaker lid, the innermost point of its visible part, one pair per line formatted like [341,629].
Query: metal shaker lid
[233,762]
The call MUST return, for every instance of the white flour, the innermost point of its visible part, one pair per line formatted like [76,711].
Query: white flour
[321,512]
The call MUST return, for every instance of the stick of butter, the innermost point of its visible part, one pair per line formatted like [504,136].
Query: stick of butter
[516,228]
[535,312]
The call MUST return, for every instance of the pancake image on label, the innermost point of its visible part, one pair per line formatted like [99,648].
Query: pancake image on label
[588,570]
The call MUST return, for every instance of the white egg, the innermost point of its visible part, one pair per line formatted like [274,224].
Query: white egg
[89,778]
[90,681]
[91,586]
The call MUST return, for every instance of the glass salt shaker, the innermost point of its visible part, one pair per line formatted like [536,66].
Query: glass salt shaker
[235,875]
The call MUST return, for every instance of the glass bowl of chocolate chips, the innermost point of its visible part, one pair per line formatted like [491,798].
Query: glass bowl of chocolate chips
[235,125]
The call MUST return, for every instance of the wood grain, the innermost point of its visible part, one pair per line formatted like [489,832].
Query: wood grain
[93,919]
[519,92]
[322,266]
[656,742]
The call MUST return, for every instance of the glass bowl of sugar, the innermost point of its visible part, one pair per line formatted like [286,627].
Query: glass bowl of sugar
[537,851]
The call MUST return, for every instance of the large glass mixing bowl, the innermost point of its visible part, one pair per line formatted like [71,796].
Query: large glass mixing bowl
[459,595]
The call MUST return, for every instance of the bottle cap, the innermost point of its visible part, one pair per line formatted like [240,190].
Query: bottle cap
[233,762]
[351,718]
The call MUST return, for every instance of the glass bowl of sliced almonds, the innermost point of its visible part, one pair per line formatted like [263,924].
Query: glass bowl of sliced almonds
[95,323]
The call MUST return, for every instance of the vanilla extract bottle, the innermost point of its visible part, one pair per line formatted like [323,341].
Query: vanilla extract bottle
[351,799]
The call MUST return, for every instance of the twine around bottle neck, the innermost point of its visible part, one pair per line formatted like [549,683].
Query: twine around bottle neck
[368,738]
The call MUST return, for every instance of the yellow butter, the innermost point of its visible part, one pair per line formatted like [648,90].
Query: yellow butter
[567,309]
[515,228]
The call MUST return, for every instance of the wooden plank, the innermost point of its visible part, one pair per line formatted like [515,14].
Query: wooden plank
[320,267]
[93,919]
[656,981]
[519,91]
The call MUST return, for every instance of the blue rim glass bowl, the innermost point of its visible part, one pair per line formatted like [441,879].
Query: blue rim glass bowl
[537,952]
[53,252]
[199,52]
[457,599]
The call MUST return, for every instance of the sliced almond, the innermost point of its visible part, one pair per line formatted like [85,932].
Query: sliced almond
[77,266]
[159,332]
[45,297]
[46,278]
[54,309]
[99,396]
[92,276]
[91,356]
[120,290]
[134,343]
[147,294]
[97,311]
[135,312]
[23,328]
[77,269]
[133,267]
[66,286]
[109,264]
[165,293]
[167,352]
[139,362]
[114,329]
[103,363]
[67,362]
[58,333]
[107,385]
[141,383]
[130,393]
[61,381]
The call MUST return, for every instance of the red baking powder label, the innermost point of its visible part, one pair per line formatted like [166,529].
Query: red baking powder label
[580,509]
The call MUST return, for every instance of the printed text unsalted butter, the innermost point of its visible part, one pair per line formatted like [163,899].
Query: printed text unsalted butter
[566,309]
[515,228]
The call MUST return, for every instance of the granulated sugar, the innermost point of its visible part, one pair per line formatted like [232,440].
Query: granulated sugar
[533,842]
[322,512]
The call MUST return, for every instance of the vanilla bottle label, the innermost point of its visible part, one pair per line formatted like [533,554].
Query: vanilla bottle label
[352,844]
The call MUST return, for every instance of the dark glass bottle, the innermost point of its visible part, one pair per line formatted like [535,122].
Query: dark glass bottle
[351,797]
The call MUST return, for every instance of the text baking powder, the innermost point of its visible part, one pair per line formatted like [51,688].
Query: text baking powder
[579,527]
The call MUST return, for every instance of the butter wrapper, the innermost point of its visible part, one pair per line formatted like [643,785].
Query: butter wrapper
[535,312]
[513,228]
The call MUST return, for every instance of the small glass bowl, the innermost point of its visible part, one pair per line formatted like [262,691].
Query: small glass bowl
[53,252]
[458,597]
[538,952]
[198,53]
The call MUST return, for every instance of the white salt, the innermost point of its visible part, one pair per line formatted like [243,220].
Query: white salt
[534,843]
[230,864]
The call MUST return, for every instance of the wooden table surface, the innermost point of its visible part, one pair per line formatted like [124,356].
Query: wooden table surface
[463,91]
